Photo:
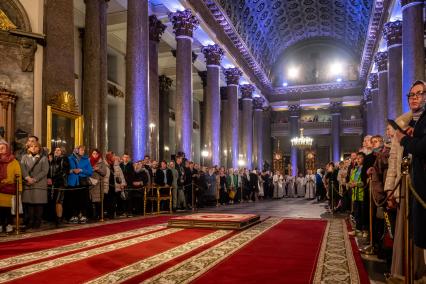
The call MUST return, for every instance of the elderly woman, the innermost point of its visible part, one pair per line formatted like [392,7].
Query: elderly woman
[96,191]
[35,168]
[116,183]
[9,171]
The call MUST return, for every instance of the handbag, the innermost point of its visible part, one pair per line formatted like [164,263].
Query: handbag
[231,194]
[93,181]
[84,181]
[13,207]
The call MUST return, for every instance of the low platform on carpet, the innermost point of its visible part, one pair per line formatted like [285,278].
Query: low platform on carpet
[215,221]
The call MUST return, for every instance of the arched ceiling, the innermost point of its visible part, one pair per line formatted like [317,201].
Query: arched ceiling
[269,27]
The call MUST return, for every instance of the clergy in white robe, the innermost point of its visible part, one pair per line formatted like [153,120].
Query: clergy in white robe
[300,186]
[310,185]
[290,186]
[281,185]
[275,183]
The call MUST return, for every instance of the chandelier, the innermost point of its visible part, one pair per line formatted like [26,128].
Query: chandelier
[301,142]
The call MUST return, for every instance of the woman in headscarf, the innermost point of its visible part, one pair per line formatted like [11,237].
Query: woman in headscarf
[9,171]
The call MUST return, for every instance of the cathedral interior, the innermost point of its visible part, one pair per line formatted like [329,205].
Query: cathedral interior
[263,85]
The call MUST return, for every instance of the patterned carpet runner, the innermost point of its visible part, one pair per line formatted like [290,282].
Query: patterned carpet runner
[145,250]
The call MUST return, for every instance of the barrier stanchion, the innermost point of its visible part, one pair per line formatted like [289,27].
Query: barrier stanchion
[369,250]
[102,202]
[17,177]
[409,271]
[193,197]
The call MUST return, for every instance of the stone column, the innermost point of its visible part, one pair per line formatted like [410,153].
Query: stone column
[163,127]
[247,119]
[156,29]
[183,24]
[413,55]
[95,104]
[213,55]
[258,130]
[224,121]
[335,111]
[381,60]
[58,75]
[203,77]
[232,76]
[374,86]
[369,111]
[294,132]
[392,32]
[137,64]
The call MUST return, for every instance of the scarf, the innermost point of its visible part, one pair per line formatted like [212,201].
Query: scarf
[5,159]
[417,114]
[94,161]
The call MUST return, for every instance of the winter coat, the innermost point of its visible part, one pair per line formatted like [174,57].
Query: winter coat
[59,168]
[37,192]
[82,163]
[13,169]
[99,174]
[118,178]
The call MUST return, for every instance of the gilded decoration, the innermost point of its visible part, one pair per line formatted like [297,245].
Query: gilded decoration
[64,101]
[5,23]
[114,91]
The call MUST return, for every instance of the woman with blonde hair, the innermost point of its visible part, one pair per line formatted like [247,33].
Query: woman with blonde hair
[35,168]
[10,170]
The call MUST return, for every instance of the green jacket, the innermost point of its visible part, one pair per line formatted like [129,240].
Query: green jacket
[357,191]
[229,181]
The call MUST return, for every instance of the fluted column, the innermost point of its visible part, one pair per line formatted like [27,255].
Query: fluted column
[374,85]
[232,76]
[156,29]
[213,55]
[392,32]
[95,105]
[137,64]
[412,45]
[163,128]
[294,132]
[224,118]
[335,111]
[381,59]
[183,24]
[247,118]
[258,130]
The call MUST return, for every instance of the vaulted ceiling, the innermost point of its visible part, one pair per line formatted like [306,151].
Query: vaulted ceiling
[269,27]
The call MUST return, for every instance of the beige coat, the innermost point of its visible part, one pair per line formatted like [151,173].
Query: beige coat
[395,157]
[117,173]
[95,191]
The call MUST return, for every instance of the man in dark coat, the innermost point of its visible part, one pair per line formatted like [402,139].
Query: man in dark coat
[416,145]
[164,175]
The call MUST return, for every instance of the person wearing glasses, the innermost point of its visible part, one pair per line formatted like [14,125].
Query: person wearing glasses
[402,144]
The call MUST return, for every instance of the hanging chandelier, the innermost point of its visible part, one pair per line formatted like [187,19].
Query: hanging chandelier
[301,142]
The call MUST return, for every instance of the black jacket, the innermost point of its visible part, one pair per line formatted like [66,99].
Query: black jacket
[416,146]
[59,168]
[128,172]
[159,177]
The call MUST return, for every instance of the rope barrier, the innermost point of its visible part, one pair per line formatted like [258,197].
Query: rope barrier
[388,196]
[415,193]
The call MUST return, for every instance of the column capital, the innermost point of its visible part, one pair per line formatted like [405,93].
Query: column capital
[335,108]
[165,83]
[368,95]
[392,32]
[247,91]
[258,103]
[156,28]
[203,76]
[223,94]
[184,22]
[373,78]
[232,76]
[381,60]
[213,54]
[295,110]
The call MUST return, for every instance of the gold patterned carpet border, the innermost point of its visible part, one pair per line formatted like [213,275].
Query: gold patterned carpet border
[193,267]
[68,228]
[38,255]
[336,263]
[144,265]
[49,264]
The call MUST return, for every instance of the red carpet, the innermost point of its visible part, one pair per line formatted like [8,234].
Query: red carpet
[13,248]
[287,253]
[363,275]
